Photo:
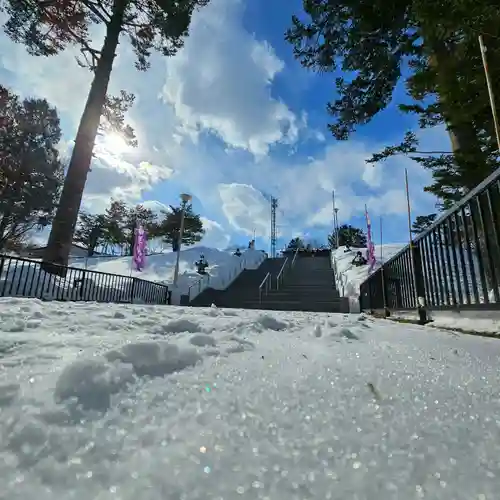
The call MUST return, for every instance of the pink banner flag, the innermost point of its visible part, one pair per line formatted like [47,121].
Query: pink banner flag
[369,243]
[140,248]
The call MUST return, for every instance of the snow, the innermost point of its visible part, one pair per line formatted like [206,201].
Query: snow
[350,277]
[468,321]
[223,268]
[113,401]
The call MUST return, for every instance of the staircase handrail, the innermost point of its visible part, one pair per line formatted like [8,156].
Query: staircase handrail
[279,278]
[294,257]
[199,282]
[266,285]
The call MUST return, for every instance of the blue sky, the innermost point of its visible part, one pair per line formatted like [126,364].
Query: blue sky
[230,119]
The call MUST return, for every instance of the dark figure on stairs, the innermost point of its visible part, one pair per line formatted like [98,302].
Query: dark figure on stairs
[359,260]
[201,265]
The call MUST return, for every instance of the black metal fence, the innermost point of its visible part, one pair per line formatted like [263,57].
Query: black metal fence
[454,264]
[24,278]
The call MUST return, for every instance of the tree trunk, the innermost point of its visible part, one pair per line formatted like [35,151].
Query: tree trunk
[63,226]
[463,135]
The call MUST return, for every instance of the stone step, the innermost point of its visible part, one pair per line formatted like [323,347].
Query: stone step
[303,296]
[305,288]
[312,284]
[269,301]
[333,307]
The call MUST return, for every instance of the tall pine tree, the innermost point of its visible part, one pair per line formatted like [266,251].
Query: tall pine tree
[47,27]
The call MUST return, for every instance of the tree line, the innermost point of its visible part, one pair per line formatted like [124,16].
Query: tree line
[114,230]
[348,235]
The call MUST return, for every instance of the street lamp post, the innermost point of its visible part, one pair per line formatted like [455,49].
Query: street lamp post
[186,198]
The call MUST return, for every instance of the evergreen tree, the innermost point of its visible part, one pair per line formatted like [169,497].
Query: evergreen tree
[296,243]
[90,231]
[332,240]
[422,222]
[116,225]
[352,237]
[169,227]
[30,170]
[47,27]
[136,216]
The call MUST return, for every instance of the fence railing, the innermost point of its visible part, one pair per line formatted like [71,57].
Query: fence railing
[21,277]
[295,257]
[454,264]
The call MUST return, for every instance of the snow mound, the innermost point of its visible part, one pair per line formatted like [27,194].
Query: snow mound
[350,277]
[91,382]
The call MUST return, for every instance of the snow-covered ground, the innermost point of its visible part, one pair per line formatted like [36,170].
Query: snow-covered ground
[125,402]
[223,268]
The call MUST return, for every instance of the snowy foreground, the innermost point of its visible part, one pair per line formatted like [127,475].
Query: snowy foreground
[164,403]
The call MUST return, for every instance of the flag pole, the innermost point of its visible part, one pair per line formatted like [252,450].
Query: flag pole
[410,239]
[490,90]
[133,251]
[368,228]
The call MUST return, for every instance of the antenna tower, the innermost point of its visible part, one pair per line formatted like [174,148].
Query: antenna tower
[274,206]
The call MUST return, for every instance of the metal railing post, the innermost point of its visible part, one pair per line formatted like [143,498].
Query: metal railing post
[279,278]
[265,284]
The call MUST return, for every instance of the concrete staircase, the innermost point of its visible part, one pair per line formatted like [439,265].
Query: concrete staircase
[307,286]
[245,285]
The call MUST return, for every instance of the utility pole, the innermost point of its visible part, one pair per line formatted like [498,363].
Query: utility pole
[274,206]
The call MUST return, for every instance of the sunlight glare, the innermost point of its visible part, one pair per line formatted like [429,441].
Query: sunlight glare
[114,144]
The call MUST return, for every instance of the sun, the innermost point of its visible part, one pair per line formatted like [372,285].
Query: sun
[113,144]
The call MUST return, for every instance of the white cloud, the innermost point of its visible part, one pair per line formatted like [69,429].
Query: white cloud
[120,180]
[215,235]
[115,177]
[157,207]
[305,189]
[245,208]
[221,80]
